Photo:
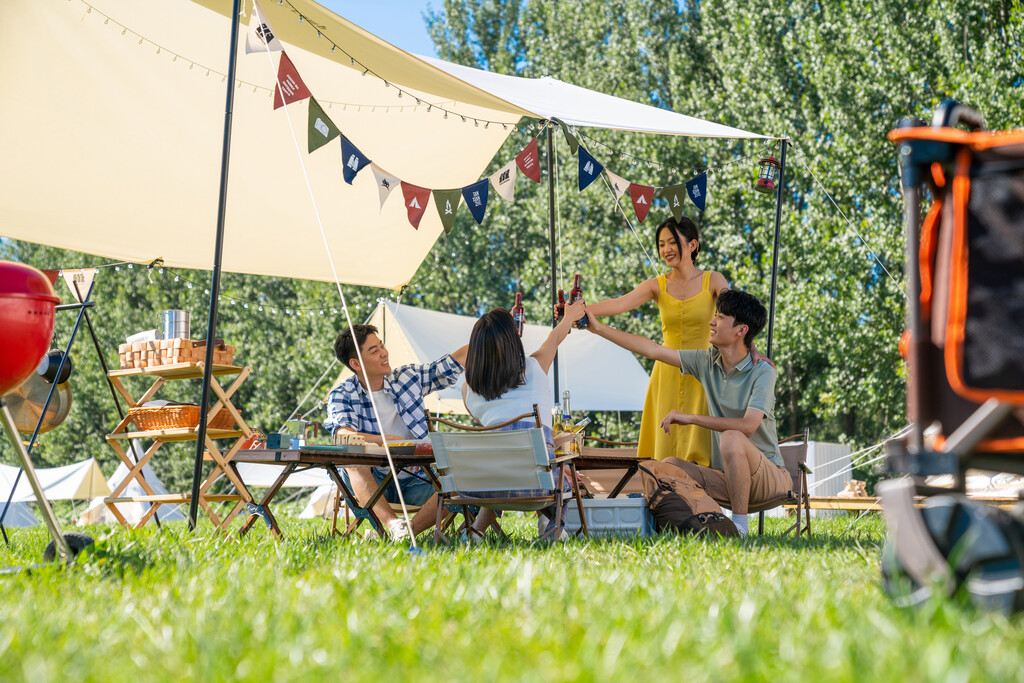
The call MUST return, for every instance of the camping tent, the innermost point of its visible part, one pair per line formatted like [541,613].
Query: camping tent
[19,515]
[256,474]
[599,374]
[71,482]
[97,512]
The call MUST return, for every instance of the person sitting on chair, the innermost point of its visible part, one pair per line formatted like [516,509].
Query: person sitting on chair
[398,395]
[502,382]
[746,464]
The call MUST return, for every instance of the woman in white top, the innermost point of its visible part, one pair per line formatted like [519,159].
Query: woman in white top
[502,382]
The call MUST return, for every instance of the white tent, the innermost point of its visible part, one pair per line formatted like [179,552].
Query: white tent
[115,107]
[256,474]
[18,515]
[598,374]
[78,481]
[321,503]
[97,512]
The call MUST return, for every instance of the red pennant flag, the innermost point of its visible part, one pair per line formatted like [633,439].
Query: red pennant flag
[289,83]
[416,199]
[641,195]
[529,162]
[52,275]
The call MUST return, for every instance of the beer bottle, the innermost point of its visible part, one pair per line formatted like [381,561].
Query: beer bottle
[518,314]
[560,307]
[566,419]
[575,295]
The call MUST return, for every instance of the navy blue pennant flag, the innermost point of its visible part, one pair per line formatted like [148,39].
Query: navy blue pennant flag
[590,168]
[698,190]
[352,160]
[476,198]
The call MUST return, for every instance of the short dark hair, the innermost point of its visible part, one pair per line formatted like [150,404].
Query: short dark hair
[495,362]
[683,229]
[345,348]
[745,309]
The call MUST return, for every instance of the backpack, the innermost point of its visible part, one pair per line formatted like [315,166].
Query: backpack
[680,504]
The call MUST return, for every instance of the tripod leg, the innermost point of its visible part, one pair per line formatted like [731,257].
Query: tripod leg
[44,505]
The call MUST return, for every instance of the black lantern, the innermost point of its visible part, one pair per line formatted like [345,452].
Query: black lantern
[768,175]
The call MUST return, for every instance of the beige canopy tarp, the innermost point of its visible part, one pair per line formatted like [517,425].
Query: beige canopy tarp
[112,123]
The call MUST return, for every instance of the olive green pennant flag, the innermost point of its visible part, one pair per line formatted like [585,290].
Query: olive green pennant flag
[570,139]
[321,129]
[447,203]
[676,196]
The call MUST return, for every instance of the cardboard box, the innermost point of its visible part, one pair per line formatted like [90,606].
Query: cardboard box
[611,516]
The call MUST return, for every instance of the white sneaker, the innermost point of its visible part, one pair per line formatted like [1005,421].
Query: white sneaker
[400,530]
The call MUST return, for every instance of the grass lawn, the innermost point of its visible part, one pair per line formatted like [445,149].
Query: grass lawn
[165,605]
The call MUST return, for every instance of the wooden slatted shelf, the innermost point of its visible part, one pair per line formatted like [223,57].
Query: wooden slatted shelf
[174,498]
[175,371]
[179,434]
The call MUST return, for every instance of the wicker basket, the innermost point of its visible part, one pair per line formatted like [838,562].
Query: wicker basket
[176,417]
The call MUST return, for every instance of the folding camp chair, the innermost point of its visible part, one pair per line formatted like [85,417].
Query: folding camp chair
[503,463]
[794,454]
[964,348]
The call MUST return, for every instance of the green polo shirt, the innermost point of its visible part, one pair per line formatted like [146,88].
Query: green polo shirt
[748,385]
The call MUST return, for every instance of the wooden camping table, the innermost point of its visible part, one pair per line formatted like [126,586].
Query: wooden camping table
[330,459]
[591,458]
[159,374]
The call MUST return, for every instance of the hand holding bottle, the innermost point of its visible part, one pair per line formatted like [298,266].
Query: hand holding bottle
[575,311]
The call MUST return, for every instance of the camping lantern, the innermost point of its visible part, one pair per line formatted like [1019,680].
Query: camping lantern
[767,176]
[27,303]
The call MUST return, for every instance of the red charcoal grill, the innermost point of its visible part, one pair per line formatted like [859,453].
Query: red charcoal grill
[27,308]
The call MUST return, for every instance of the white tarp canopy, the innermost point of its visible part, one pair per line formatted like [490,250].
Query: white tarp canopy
[98,513]
[598,374]
[256,474]
[112,126]
[18,515]
[71,482]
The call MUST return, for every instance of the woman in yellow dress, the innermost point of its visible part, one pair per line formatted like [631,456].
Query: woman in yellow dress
[686,298]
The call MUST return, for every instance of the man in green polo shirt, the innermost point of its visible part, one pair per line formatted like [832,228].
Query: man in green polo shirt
[746,465]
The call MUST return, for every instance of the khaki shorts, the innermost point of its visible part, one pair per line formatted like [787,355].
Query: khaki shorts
[769,481]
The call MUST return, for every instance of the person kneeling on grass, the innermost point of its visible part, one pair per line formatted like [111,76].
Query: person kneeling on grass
[746,464]
[502,383]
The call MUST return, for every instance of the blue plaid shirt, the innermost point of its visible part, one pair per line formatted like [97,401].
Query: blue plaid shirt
[349,405]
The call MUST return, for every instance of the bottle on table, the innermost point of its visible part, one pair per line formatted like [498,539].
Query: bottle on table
[518,314]
[560,307]
[575,295]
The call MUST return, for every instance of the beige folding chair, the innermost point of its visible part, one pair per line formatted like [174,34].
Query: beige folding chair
[502,463]
[794,454]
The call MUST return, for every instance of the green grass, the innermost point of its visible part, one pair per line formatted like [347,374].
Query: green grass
[165,605]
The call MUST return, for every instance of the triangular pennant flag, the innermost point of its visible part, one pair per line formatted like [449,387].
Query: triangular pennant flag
[385,182]
[476,199]
[529,162]
[447,203]
[416,199]
[570,139]
[52,276]
[321,129]
[79,281]
[619,184]
[260,37]
[289,84]
[675,195]
[504,181]
[590,168]
[352,160]
[698,190]
[641,195]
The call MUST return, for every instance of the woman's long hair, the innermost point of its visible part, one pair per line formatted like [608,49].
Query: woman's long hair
[496,361]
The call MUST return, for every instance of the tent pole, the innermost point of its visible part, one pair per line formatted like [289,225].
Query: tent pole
[551,225]
[775,248]
[211,325]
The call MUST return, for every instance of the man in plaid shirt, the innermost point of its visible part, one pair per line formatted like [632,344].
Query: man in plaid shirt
[398,395]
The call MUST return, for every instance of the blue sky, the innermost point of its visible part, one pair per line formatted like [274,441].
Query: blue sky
[400,22]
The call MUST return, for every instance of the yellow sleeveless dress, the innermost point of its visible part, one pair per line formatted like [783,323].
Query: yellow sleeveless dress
[684,325]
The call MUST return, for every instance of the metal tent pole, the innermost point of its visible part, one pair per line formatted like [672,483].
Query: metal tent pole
[551,225]
[775,248]
[211,327]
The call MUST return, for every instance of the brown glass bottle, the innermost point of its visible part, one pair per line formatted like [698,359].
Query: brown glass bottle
[518,314]
[575,295]
[560,307]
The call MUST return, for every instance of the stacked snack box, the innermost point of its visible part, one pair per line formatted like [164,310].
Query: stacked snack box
[148,354]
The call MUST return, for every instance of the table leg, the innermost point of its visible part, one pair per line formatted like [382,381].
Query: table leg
[265,504]
[353,504]
[625,480]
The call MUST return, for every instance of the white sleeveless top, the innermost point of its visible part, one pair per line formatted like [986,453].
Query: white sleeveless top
[515,402]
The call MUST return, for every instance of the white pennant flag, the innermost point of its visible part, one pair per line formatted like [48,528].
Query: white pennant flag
[260,37]
[79,281]
[504,181]
[619,184]
[385,182]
